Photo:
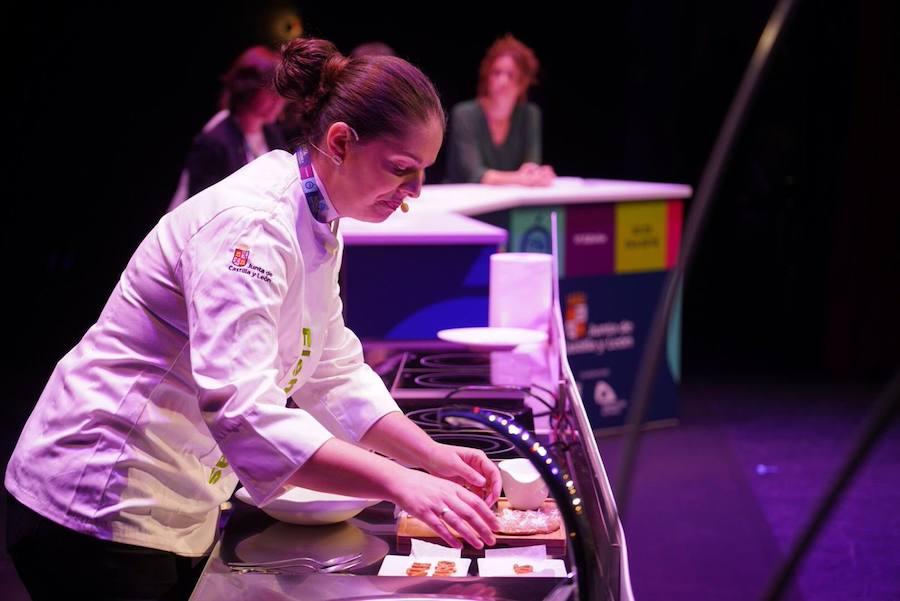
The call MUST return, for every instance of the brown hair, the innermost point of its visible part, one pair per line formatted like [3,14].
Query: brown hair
[372,48]
[375,95]
[252,71]
[521,54]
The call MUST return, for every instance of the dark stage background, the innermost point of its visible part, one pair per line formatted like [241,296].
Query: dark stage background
[791,317]
[797,273]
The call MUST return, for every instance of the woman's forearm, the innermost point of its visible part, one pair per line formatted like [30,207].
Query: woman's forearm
[529,174]
[342,468]
[495,177]
[396,436]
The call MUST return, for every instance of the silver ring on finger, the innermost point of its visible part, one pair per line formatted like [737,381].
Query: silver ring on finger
[443,511]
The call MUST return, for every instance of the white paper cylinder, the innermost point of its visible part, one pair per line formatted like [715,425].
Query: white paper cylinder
[520,290]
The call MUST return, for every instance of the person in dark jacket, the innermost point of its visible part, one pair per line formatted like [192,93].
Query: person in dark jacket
[245,129]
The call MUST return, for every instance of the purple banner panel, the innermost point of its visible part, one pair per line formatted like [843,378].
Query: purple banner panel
[589,240]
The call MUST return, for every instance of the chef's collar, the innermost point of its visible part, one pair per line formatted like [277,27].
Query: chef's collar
[317,199]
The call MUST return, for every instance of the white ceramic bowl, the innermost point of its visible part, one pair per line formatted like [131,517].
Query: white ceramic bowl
[311,507]
[522,484]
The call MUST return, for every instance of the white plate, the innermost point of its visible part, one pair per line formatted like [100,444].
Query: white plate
[303,506]
[494,339]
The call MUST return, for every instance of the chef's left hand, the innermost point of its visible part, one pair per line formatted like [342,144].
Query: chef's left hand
[468,467]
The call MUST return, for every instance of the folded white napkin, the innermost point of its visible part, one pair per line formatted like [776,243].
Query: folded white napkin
[502,562]
[424,552]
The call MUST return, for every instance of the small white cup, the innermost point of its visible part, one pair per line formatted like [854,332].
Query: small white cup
[523,485]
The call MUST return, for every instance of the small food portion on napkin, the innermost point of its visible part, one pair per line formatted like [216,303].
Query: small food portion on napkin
[426,559]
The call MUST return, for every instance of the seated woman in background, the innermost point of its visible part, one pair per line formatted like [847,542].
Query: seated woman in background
[496,138]
[242,131]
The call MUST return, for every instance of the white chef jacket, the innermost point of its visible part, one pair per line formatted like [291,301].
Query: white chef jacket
[227,307]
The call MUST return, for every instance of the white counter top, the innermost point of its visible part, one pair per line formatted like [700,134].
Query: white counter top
[476,199]
[438,216]
[418,228]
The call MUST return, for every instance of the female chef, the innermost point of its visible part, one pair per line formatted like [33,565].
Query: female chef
[228,307]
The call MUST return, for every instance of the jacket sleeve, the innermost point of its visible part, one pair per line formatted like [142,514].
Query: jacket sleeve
[206,164]
[233,312]
[343,385]
[466,164]
[533,134]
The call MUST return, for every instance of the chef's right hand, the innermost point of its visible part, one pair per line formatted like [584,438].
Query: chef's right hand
[440,503]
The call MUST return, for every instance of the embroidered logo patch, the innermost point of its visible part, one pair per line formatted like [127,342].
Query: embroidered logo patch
[241,256]
[240,263]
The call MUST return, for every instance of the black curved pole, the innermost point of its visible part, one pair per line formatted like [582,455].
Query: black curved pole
[554,473]
[872,428]
[706,189]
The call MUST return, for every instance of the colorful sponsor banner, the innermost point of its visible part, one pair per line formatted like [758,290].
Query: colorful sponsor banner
[529,231]
[606,321]
[641,236]
[602,239]
[675,212]
[590,235]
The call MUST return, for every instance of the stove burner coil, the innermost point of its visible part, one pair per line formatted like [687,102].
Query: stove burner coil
[451,380]
[427,419]
[467,360]
[494,446]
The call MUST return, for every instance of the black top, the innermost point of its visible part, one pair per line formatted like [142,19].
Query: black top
[471,151]
[221,151]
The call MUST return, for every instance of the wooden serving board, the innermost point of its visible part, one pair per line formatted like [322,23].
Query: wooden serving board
[409,528]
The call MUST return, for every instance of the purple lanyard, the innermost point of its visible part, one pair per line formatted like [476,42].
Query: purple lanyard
[314,197]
